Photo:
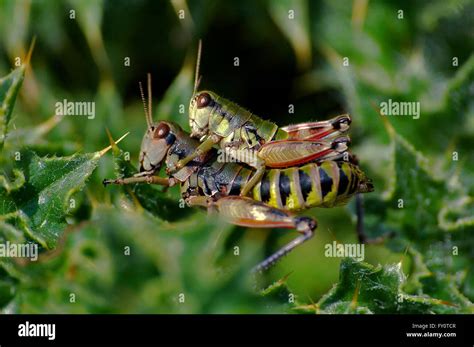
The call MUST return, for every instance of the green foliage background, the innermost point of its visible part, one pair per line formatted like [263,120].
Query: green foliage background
[426,267]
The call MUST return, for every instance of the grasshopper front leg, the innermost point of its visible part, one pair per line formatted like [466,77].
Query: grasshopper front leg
[203,148]
[162,181]
[247,212]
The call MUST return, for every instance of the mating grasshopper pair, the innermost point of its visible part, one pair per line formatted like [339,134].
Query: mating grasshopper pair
[301,166]
[258,143]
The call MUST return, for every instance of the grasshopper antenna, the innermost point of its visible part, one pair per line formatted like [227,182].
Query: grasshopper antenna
[142,94]
[197,78]
[150,98]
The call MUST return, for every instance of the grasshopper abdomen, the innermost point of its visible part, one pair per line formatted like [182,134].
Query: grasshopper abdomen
[325,185]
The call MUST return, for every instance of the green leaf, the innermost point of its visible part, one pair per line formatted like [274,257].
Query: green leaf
[154,199]
[364,288]
[8,287]
[40,205]
[429,213]
[416,190]
[276,286]
[9,87]
[159,261]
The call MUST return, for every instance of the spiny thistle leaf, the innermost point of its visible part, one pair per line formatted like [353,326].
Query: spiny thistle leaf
[40,205]
[364,288]
[153,199]
[414,209]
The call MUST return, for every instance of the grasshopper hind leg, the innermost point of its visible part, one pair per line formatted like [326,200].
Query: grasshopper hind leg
[247,212]
[307,226]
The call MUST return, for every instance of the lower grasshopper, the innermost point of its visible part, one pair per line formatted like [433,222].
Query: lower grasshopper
[257,142]
[217,186]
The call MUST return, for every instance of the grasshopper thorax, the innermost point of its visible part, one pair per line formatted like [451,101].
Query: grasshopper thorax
[200,111]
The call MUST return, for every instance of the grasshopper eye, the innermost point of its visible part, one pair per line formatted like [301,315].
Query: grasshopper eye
[203,100]
[161,131]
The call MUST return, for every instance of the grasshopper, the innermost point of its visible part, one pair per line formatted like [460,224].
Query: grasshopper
[258,143]
[217,186]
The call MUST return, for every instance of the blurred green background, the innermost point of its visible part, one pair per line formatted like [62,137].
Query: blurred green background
[290,53]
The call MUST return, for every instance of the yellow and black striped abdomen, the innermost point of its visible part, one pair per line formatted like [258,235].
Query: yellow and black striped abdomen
[312,185]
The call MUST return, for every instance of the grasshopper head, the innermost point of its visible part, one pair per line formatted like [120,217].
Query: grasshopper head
[163,141]
[200,110]
[158,138]
[156,143]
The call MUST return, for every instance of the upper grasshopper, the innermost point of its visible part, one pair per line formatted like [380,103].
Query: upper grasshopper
[244,137]
[218,186]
